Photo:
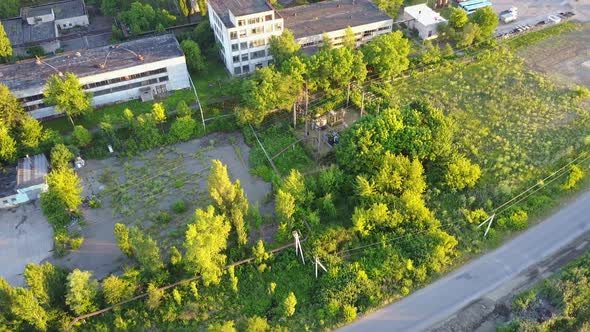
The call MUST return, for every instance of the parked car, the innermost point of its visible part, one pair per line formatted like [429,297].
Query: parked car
[554,19]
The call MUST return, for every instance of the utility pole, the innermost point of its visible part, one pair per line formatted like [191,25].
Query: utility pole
[317,263]
[306,105]
[294,115]
[362,104]
[298,249]
[348,94]
[490,220]
[319,141]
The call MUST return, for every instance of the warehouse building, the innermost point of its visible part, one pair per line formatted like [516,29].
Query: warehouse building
[140,69]
[310,23]
[41,25]
[243,28]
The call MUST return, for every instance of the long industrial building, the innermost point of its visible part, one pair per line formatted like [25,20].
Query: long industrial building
[243,28]
[139,69]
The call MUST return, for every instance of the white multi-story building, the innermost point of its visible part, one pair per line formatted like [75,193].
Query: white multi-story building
[243,29]
[139,69]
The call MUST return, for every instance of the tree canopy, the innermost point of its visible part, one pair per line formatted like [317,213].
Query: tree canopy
[283,46]
[11,110]
[194,59]
[5,46]
[388,54]
[67,95]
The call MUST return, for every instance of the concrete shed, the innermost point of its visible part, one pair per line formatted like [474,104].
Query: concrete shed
[424,20]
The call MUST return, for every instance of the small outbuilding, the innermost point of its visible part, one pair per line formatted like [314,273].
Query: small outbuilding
[25,182]
[424,20]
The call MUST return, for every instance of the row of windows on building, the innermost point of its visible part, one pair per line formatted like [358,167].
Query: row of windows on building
[101,92]
[233,35]
[246,68]
[337,41]
[255,20]
[251,44]
[251,56]
[124,78]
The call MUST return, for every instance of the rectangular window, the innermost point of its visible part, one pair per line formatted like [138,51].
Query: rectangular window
[163,79]
[268,28]
[241,23]
[257,30]
[258,54]
[244,45]
[384,28]
[242,33]
[254,20]
[233,35]
[257,43]
[234,47]
[236,58]
[237,70]
[245,57]
[245,69]
[268,17]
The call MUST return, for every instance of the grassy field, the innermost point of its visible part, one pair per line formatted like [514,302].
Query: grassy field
[115,112]
[531,38]
[214,84]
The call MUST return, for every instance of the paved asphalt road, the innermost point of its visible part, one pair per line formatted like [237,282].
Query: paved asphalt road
[438,301]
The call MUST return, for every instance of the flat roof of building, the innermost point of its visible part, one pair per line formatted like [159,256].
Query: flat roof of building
[61,9]
[20,33]
[30,74]
[326,16]
[31,171]
[238,8]
[423,14]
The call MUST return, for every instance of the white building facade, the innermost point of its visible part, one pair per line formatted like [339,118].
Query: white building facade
[424,20]
[244,35]
[141,69]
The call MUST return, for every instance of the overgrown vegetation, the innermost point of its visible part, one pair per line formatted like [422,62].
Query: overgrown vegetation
[534,37]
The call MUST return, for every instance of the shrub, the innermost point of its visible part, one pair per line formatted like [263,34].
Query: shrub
[462,173]
[183,128]
[580,92]
[61,156]
[348,313]
[179,206]
[517,221]
[182,109]
[576,174]
[524,300]
[164,217]
[81,136]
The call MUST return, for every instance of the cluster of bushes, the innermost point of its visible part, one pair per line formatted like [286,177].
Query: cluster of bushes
[467,30]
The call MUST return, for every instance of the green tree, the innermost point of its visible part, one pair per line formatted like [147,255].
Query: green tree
[140,17]
[448,51]
[11,110]
[265,91]
[67,95]
[333,69]
[205,241]
[576,174]
[256,324]
[110,7]
[471,33]
[184,7]
[458,18]
[486,19]
[7,145]
[82,291]
[175,256]
[182,109]
[295,68]
[61,156]
[233,279]
[229,198]
[154,297]
[47,282]
[81,136]
[388,54]
[5,46]
[158,113]
[122,234]
[194,58]
[146,252]
[349,40]
[115,290]
[288,305]
[31,133]
[66,185]
[9,8]
[183,128]
[283,46]
[222,327]
[25,306]
[202,7]
[391,7]
[431,55]
[461,173]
